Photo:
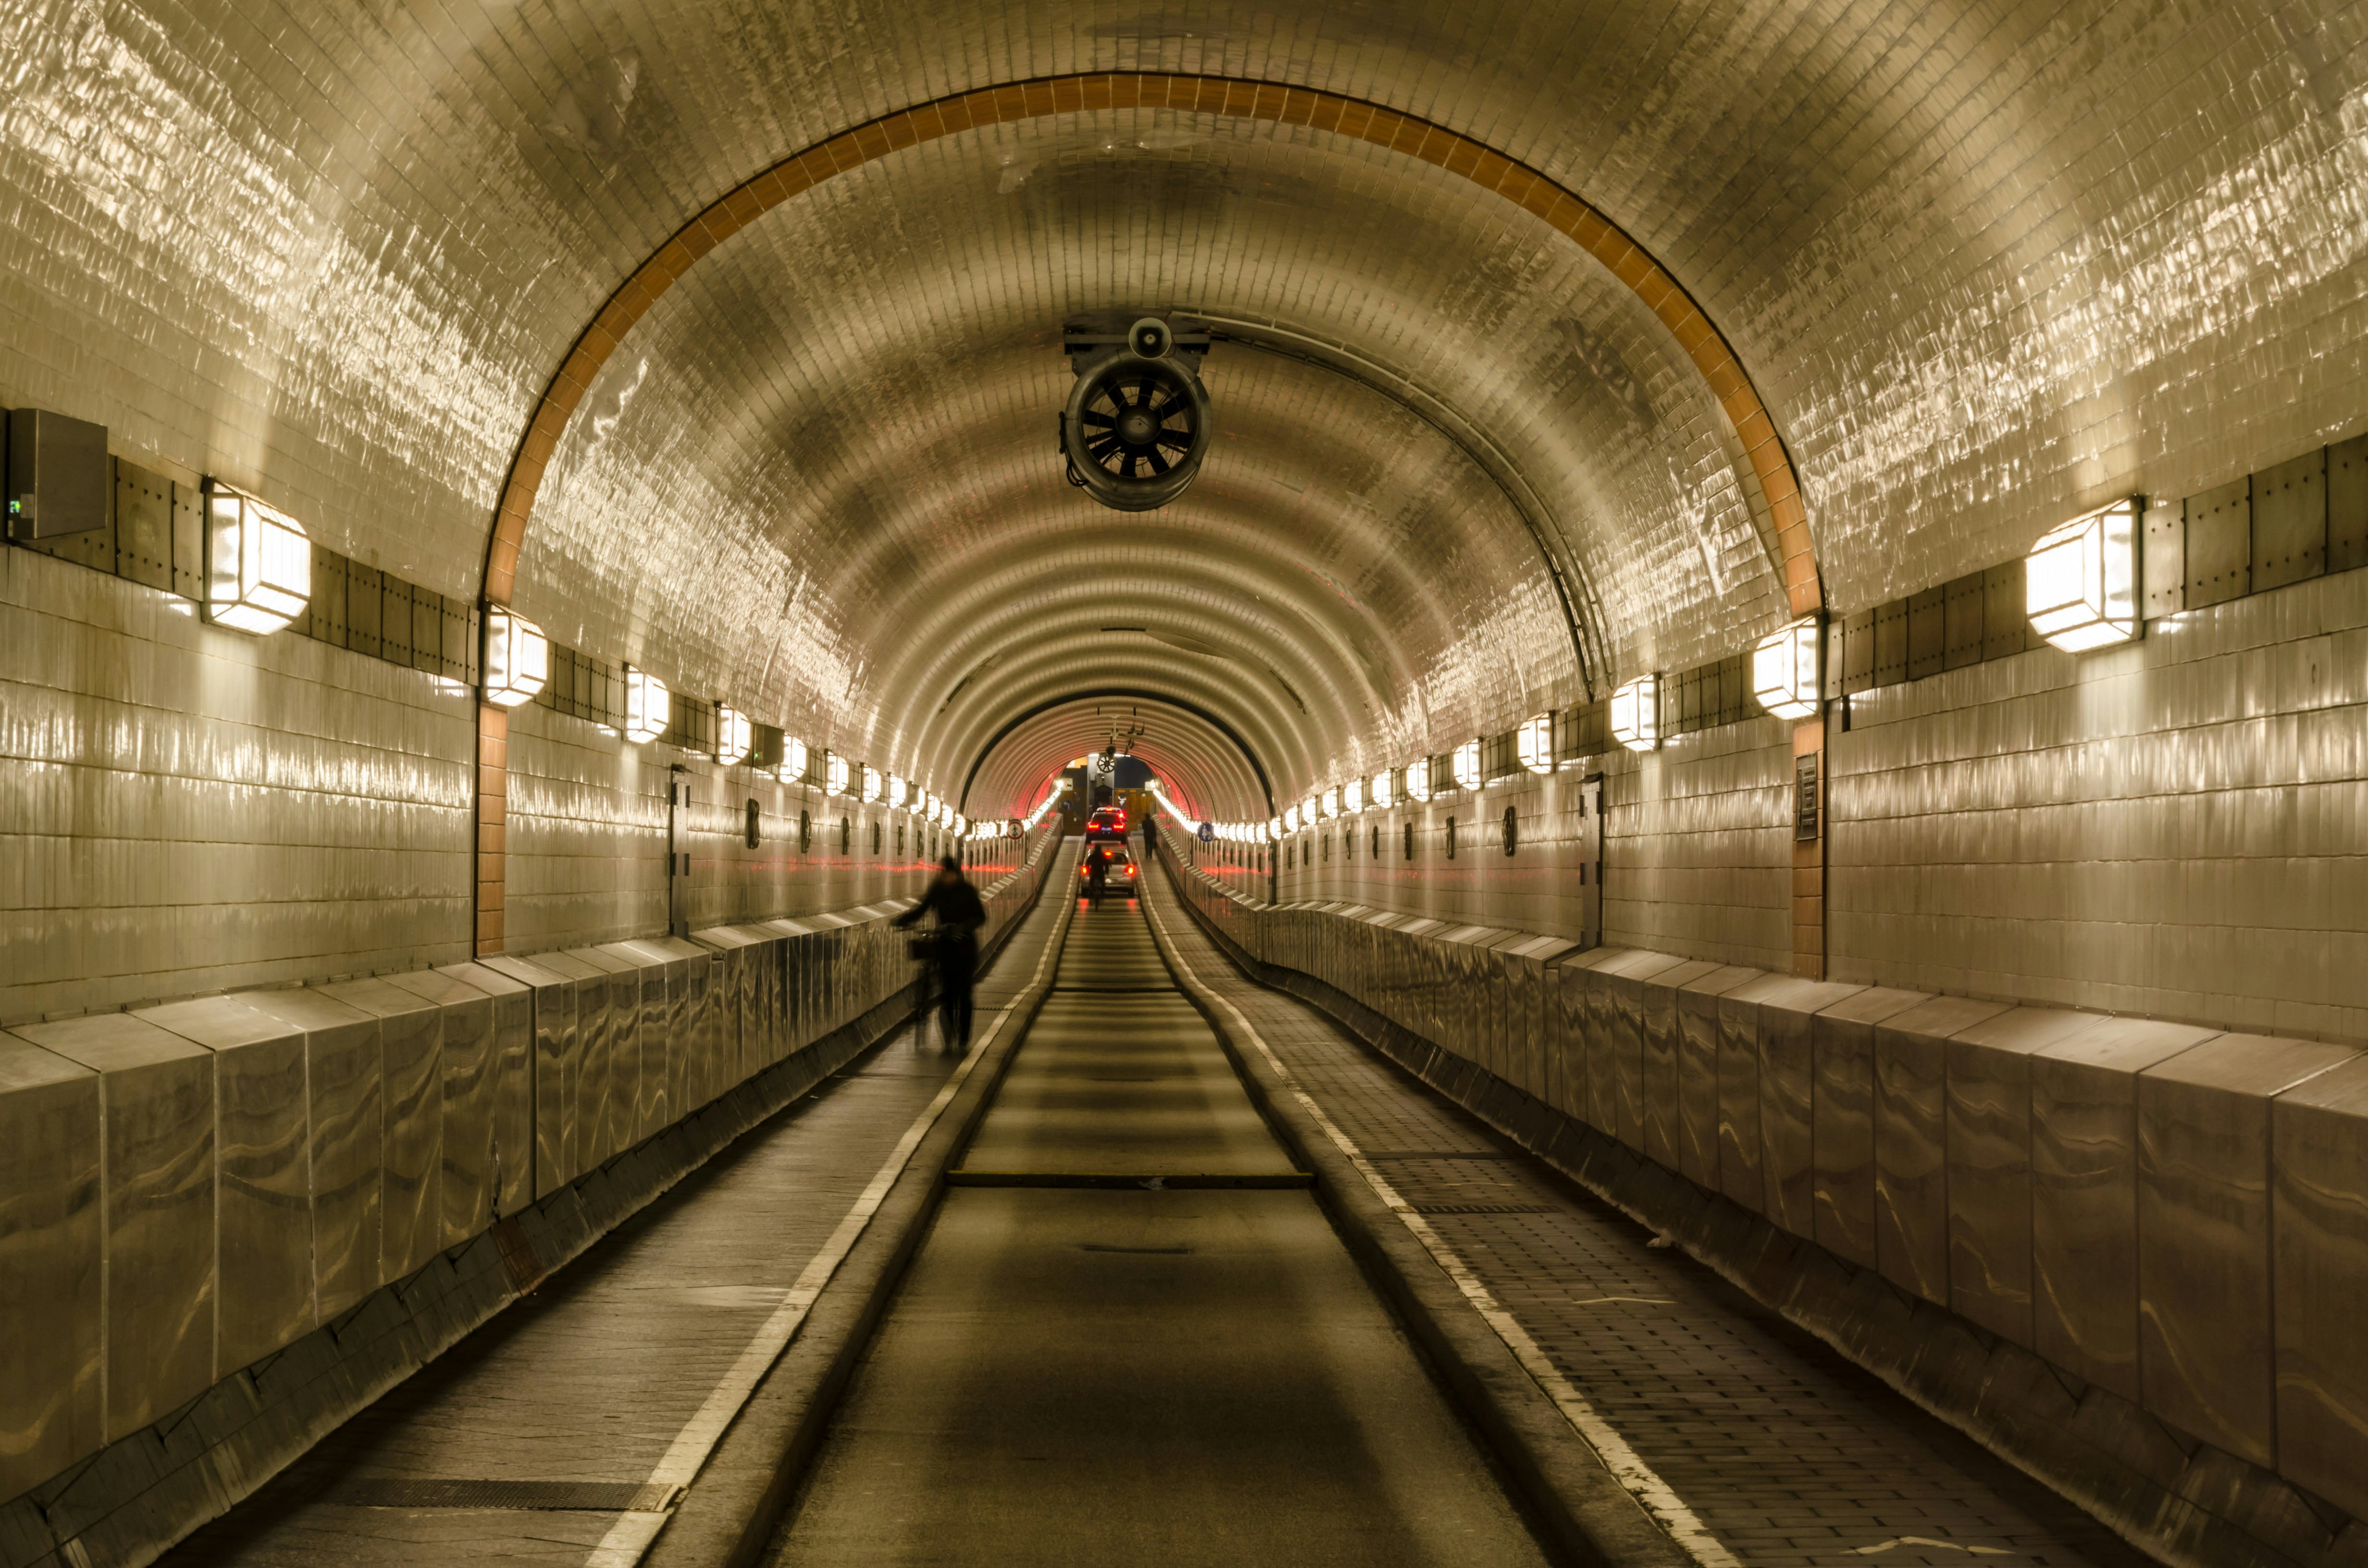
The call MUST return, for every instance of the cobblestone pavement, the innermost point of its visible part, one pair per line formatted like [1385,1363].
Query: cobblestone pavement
[1793,1457]
[573,1395]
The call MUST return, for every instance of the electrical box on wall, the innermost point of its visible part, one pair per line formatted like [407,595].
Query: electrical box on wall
[57,475]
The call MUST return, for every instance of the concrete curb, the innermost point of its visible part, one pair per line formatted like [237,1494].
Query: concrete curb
[740,1497]
[1579,1505]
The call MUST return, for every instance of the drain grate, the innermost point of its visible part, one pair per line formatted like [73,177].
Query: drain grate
[1485,1209]
[522,1496]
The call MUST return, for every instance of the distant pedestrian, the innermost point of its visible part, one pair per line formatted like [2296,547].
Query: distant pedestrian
[959,911]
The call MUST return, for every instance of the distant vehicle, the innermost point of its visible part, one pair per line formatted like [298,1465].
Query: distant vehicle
[1118,868]
[1108,821]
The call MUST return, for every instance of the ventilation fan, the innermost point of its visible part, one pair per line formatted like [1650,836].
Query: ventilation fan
[1138,424]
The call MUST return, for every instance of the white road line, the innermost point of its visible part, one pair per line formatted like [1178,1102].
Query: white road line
[630,1536]
[1657,1498]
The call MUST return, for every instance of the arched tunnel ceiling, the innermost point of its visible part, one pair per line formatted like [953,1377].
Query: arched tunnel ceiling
[1986,266]
[846,428]
[1205,762]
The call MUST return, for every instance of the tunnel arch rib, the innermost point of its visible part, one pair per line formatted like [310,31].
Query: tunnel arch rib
[1564,210]
[1555,205]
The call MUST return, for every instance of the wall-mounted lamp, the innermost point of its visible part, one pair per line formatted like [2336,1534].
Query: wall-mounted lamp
[648,707]
[874,786]
[2080,581]
[1291,819]
[1353,795]
[731,735]
[1274,829]
[1785,671]
[1536,743]
[835,774]
[1467,764]
[793,760]
[1417,779]
[1331,803]
[1636,713]
[517,658]
[1383,790]
[258,563]
[898,790]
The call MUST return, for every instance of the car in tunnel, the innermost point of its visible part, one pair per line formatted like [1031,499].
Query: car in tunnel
[1120,865]
[1106,823]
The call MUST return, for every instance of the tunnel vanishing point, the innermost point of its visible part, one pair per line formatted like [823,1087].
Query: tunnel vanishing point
[1163,783]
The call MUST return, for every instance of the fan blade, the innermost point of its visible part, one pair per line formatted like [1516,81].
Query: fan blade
[1118,387]
[1103,447]
[1093,421]
[1159,465]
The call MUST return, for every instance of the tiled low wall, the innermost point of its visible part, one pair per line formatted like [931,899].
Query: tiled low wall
[2173,1216]
[191,1188]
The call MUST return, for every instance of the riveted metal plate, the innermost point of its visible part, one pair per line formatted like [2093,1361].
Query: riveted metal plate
[2220,544]
[2290,521]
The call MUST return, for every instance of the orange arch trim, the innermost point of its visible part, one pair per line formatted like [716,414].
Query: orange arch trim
[1232,97]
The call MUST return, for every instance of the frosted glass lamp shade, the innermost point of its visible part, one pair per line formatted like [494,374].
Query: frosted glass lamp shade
[258,564]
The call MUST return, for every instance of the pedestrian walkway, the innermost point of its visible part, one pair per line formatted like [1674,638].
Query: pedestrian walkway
[535,1436]
[1788,1455]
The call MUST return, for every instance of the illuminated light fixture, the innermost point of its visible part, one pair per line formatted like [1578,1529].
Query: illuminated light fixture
[834,774]
[1536,742]
[1636,713]
[1274,829]
[959,825]
[1785,671]
[648,708]
[1060,787]
[732,737]
[1467,764]
[898,790]
[258,564]
[1418,777]
[1290,820]
[2080,581]
[793,760]
[517,658]
[1331,803]
[1353,795]
[1384,796]
[1308,815]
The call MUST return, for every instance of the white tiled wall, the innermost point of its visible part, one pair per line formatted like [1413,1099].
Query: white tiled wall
[1695,854]
[587,841]
[2179,828]
[184,809]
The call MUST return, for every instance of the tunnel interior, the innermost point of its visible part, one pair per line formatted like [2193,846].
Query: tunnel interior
[1774,614]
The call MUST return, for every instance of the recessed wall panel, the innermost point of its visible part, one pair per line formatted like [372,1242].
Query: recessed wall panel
[2206,1362]
[263,1187]
[1989,1163]
[1911,1142]
[2319,1230]
[156,1094]
[1841,1042]
[412,1136]
[511,1075]
[467,1075]
[556,1067]
[50,1244]
[345,1109]
[2084,1195]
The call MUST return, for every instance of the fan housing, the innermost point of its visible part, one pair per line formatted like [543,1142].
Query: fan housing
[1136,427]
